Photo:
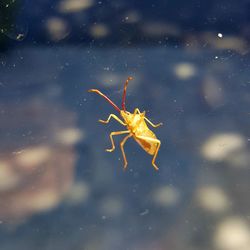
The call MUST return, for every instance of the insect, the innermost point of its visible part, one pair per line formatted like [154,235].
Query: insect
[136,127]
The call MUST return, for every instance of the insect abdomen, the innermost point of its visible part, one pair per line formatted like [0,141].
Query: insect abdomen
[148,146]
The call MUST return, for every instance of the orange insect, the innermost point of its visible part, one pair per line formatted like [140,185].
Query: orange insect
[136,128]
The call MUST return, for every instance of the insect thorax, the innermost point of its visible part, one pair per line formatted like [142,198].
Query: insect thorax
[133,121]
[127,116]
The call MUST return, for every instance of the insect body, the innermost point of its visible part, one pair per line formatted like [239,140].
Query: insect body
[136,128]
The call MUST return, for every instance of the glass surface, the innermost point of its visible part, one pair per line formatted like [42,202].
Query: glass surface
[189,61]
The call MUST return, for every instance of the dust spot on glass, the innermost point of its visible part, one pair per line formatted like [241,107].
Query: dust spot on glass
[213,92]
[111,206]
[34,156]
[99,30]
[220,146]
[213,199]
[71,6]
[69,136]
[159,29]
[57,28]
[109,79]
[78,193]
[185,71]
[132,16]
[145,212]
[240,160]
[166,196]
[43,200]
[232,233]
[236,43]
[8,178]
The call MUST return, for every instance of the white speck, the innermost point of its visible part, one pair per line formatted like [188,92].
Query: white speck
[20,37]
[220,35]
[216,57]
[144,212]
[17,152]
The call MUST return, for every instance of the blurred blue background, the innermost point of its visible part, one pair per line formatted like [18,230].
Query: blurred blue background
[190,62]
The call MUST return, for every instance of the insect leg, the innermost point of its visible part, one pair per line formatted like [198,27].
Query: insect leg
[157,148]
[112,140]
[156,152]
[113,116]
[123,152]
[153,125]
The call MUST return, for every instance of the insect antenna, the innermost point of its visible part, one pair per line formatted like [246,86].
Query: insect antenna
[105,97]
[124,92]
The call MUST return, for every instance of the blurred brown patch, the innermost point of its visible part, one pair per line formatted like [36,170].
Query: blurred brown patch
[37,163]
